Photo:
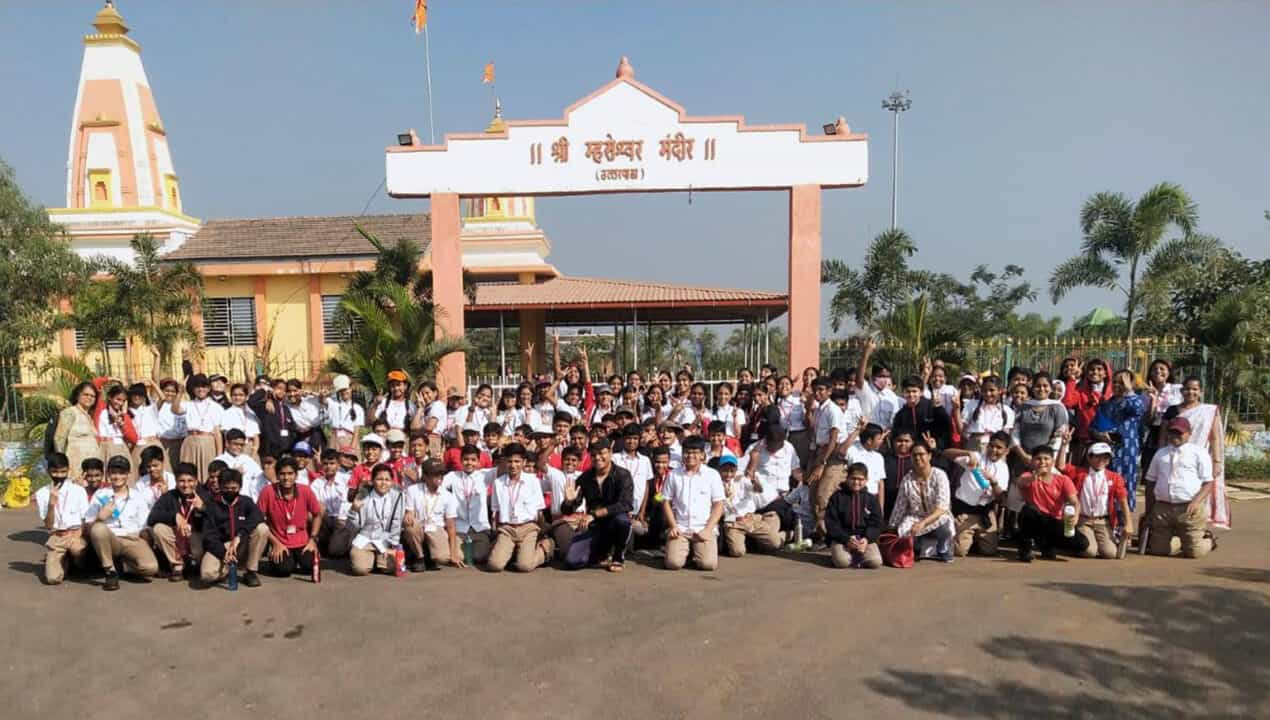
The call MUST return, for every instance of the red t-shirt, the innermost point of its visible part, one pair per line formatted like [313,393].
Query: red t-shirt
[289,519]
[453,459]
[361,474]
[555,460]
[1049,497]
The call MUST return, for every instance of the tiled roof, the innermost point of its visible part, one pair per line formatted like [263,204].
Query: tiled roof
[287,237]
[584,291]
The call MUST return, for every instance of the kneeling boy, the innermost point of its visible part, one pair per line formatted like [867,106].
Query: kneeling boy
[118,515]
[61,506]
[853,521]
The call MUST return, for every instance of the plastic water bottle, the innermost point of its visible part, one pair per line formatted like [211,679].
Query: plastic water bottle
[1069,520]
[399,562]
[233,576]
[469,551]
[977,474]
[317,568]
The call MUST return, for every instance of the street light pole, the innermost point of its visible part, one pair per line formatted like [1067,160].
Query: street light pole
[896,103]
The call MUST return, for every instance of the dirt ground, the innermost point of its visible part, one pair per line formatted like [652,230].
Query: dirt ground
[773,637]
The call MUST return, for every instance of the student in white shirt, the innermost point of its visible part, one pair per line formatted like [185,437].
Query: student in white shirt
[741,519]
[828,468]
[1183,477]
[470,486]
[431,511]
[145,420]
[985,415]
[557,484]
[240,417]
[973,505]
[877,400]
[396,407]
[345,416]
[517,505]
[118,515]
[61,507]
[153,479]
[254,479]
[770,464]
[694,507]
[331,489]
[203,418]
[378,519]
[865,451]
[170,413]
[732,417]
[634,462]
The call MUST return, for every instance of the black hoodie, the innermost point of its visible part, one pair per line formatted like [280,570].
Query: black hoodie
[852,515]
[217,521]
[169,503]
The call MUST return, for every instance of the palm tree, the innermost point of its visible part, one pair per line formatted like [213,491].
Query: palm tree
[392,310]
[1119,232]
[1236,335]
[61,375]
[909,327]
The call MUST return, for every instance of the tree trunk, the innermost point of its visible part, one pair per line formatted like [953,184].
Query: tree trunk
[1131,315]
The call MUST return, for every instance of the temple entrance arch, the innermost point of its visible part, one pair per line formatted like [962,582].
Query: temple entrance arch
[627,138]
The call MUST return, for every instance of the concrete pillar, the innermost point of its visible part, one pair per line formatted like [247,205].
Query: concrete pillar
[533,328]
[316,340]
[447,285]
[66,337]
[804,278]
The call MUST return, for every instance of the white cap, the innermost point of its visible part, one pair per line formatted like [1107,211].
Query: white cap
[373,439]
[340,382]
[1100,449]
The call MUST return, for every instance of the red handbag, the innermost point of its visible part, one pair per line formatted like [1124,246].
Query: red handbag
[896,551]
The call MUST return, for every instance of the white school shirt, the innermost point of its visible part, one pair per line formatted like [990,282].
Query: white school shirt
[171,426]
[471,491]
[676,455]
[858,453]
[557,480]
[879,406]
[437,411]
[1094,494]
[146,422]
[203,415]
[968,490]
[773,469]
[733,419]
[793,413]
[1179,472]
[345,416]
[306,414]
[146,486]
[475,418]
[516,503]
[685,417]
[575,413]
[379,521]
[942,395]
[744,500]
[333,494]
[641,470]
[650,412]
[72,505]
[249,468]
[240,418]
[107,430]
[992,418]
[396,412]
[828,417]
[691,496]
[132,512]
[431,509]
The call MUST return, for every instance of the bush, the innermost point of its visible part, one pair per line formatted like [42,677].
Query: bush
[1248,468]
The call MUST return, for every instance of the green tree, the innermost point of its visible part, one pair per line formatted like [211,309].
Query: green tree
[391,306]
[1236,333]
[910,326]
[882,283]
[1122,239]
[37,266]
[95,314]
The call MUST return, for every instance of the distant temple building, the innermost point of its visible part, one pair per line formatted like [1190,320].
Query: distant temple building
[272,284]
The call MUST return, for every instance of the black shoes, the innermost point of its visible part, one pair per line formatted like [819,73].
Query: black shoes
[431,565]
[251,579]
[112,581]
[418,566]
[1025,551]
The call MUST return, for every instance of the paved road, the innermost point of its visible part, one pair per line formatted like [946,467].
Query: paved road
[764,637]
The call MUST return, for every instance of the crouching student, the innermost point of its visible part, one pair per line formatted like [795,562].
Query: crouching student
[431,512]
[118,516]
[517,505]
[334,537]
[1105,517]
[557,484]
[923,508]
[974,504]
[1183,477]
[293,517]
[1045,494]
[377,519]
[176,522]
[694,506]
[605,493]
[154,479]
[741,519]
[61,506]
[853,520]
[470,485]
[649,524]
[233,532]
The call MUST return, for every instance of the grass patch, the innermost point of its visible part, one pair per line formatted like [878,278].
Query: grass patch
[1248,468]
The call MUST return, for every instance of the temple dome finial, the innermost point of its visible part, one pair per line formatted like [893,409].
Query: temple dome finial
[624,69]
[109,22]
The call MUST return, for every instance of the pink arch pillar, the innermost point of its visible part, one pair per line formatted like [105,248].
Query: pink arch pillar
[447,285]
[804,278]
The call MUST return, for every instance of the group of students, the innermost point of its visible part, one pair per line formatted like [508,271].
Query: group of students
[563,469]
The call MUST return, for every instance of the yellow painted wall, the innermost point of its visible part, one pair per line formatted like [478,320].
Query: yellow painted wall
[287,318]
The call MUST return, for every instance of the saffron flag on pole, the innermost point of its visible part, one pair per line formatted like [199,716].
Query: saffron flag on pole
[421,15]
[488,77]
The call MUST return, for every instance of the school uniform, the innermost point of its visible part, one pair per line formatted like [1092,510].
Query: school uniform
[616,495]
[794,418]
[563,525]
[277,428]
[119,535]
[254,479]
[172,432]
[879,406]
[397,412]
[1100,493]
[242,418]
[377,526]
[145,420]
[1179,474]
[334,536]
[973,507]
[178,549]
[471,521]
[1041,519]
[924,417]
[829,417]
[428,538]
[202,421]
[641,470]
[152,489]
[224,520]
[692,496]
[288,522]
[66,544]
[851,515]
[516,504]
[742,521]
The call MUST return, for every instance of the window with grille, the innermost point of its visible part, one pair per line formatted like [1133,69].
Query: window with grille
[336,329]
[229,322]
[112,344]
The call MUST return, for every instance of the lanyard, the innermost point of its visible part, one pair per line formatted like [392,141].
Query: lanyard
[385,520]
[186,509]
[428,506]
[117,516]
[513,493]
[288,508]
[200,411]
[233,525]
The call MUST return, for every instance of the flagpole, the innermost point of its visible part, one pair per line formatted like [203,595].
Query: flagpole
[427,58]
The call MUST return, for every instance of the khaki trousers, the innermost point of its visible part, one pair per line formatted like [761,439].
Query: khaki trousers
[705,553]
[437,542]
[1097,531]
[133,551]
[165,542]
[764,530]
[522,542]
[364,560]
[833,476]
[60,552]
[971,532]
[841,557]
[480,544]
[1174,519]
[335,539]
[212,569]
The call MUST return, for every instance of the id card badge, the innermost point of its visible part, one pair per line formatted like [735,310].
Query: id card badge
[285,433]
[291,529]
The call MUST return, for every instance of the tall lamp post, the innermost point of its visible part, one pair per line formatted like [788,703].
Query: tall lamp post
[896,103]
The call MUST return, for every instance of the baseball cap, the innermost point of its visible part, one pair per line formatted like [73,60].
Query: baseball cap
[301,448]
[398,376]
[395,436]
[217,377]
[1180,424]
[372,439]
[340,382]
[348,450]
[1100,449]
[726,460]
[672,426]
[433,467]
[452,391]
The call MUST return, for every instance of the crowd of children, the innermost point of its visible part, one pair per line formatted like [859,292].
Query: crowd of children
[196,479]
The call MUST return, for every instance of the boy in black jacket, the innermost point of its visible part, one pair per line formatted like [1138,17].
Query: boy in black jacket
[853,522]
[233,531]
[176,522]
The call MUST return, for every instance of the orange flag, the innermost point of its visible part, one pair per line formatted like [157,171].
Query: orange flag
[488,77]
[421,15]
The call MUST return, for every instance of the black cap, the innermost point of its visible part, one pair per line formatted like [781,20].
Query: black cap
[696,442]
[118,463]
[600,444]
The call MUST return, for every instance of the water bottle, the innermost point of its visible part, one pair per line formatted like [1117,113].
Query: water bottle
[399,562]
[798,533]
[469,551]
[977,474]
[233,576]
[1069,520]
[317,568]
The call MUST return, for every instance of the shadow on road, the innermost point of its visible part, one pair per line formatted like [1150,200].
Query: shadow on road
[1240,574]
[1204,656]
[32,536]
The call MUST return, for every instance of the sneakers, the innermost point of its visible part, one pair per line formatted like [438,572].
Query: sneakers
[112,581]
[431,565]
[177,574]
[418,566]
[1212,538]
[1049,554]
[1025,551]
[251,579]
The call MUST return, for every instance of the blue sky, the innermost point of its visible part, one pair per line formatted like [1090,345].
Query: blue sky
[1021,110]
